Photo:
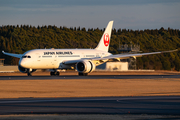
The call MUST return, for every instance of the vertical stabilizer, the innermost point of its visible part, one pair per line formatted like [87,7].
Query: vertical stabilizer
[105,39]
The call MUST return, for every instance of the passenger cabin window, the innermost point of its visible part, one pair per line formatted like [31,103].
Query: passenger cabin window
[26,56]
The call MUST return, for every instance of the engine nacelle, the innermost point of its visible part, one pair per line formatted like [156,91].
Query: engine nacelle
[85,66]
[25,70]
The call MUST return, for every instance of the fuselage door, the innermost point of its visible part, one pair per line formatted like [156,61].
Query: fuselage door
[38,57]
[55,58]
[97,55]
[54,62]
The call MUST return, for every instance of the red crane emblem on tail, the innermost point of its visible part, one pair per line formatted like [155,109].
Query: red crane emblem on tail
[106,39]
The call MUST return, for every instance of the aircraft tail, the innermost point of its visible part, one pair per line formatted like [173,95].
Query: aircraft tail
[105,39]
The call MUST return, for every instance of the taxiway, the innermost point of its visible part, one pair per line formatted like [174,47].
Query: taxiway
[38,77]
[162,105]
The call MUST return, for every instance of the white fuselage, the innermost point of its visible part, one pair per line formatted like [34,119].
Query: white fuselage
[53,58]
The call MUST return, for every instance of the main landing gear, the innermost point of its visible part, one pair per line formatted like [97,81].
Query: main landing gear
[83,74]
[55,73]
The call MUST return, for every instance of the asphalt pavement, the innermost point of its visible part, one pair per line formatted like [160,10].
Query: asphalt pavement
[158,105]
[45,77]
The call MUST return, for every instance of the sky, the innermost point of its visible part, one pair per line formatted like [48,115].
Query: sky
[129,14]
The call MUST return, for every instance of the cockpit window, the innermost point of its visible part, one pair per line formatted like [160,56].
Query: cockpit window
[26,56]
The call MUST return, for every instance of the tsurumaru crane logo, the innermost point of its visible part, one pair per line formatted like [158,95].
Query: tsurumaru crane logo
[106,39]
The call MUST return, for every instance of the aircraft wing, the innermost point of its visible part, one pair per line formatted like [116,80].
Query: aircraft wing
[68,62]
[117,56]
[13,55]
[125,56]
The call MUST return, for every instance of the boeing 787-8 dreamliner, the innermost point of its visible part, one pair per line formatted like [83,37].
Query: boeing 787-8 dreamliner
[83,60]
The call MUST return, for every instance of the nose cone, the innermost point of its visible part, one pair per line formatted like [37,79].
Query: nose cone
[24,63]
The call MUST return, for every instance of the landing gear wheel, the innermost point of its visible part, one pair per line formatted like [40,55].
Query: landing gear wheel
[83,74]
[29,74]
[80,74]
[54,73]
[57,73]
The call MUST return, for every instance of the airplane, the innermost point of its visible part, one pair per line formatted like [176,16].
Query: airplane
[83,60]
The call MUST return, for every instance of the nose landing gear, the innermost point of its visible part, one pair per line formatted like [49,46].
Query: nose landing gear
[29,74]
[29,71]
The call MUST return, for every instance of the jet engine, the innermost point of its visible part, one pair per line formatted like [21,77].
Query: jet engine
[21,69]
[25,70]
[85,66]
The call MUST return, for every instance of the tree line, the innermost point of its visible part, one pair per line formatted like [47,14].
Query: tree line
[19,39]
